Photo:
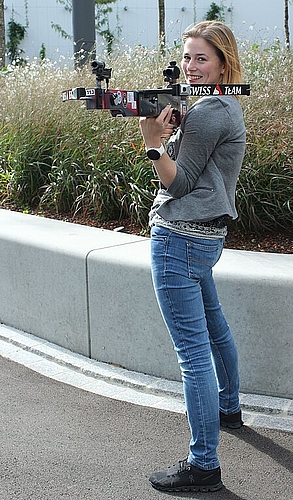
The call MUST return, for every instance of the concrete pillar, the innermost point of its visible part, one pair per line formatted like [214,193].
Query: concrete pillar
[84,36]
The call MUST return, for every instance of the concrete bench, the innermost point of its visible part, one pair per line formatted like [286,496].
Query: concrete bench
[90,290]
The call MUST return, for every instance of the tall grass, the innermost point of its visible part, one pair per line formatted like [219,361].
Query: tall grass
[265,188]
[61,157]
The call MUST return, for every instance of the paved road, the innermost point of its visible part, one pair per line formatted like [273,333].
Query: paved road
[61,442]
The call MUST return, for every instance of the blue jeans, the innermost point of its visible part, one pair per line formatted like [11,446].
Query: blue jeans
[207,355]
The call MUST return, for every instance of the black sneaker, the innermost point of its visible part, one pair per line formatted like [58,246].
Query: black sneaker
[185,477]
[232,421]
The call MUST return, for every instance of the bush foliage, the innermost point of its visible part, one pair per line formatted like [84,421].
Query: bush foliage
[60,157]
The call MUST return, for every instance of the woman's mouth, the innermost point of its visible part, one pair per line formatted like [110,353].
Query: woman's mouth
[193,78]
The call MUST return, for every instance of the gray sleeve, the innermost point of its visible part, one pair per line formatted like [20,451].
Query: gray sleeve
[205,125]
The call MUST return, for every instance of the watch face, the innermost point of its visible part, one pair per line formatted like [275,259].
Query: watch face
[153,154]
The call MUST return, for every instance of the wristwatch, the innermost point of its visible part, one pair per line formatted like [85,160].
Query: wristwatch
[155,153]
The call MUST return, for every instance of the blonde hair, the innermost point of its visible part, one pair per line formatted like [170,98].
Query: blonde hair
[222,39]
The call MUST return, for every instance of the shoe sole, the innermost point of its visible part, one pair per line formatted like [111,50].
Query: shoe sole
[178,489]
[236,425]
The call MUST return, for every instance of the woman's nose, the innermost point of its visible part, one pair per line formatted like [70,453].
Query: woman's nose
[192,64]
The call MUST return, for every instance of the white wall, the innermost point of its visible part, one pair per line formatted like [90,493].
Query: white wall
[41,14]
[140,20]
[258,21]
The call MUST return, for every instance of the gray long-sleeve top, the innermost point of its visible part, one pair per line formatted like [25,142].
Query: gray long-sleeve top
[208,149]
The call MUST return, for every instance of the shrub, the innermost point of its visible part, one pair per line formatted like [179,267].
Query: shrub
[63,158]
[265,188]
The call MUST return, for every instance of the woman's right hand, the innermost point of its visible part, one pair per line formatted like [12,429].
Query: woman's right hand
[153,129]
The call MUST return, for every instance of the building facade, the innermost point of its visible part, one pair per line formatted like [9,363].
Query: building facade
[133,22]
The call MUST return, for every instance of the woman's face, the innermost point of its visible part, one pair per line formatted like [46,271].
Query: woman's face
[201,63]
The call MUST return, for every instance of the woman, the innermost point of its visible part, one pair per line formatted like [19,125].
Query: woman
[198,173]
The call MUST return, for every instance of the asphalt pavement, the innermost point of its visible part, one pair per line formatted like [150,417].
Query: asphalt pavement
[59,441]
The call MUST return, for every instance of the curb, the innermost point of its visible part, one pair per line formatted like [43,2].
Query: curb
[116,382]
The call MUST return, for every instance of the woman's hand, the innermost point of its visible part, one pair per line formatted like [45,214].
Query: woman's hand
[154,129]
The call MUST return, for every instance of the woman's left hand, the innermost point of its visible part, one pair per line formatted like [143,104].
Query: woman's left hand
[153,129]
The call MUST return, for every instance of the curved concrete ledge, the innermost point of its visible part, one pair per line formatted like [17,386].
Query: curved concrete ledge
[89,290]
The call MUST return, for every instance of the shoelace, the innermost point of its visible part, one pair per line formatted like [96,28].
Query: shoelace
[184,466]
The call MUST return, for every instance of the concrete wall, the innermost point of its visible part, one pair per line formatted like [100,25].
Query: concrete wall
[90,290]
[259,22]
[43,276]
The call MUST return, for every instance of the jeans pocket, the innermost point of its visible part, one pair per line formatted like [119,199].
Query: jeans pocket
[159,234]
[202,256]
